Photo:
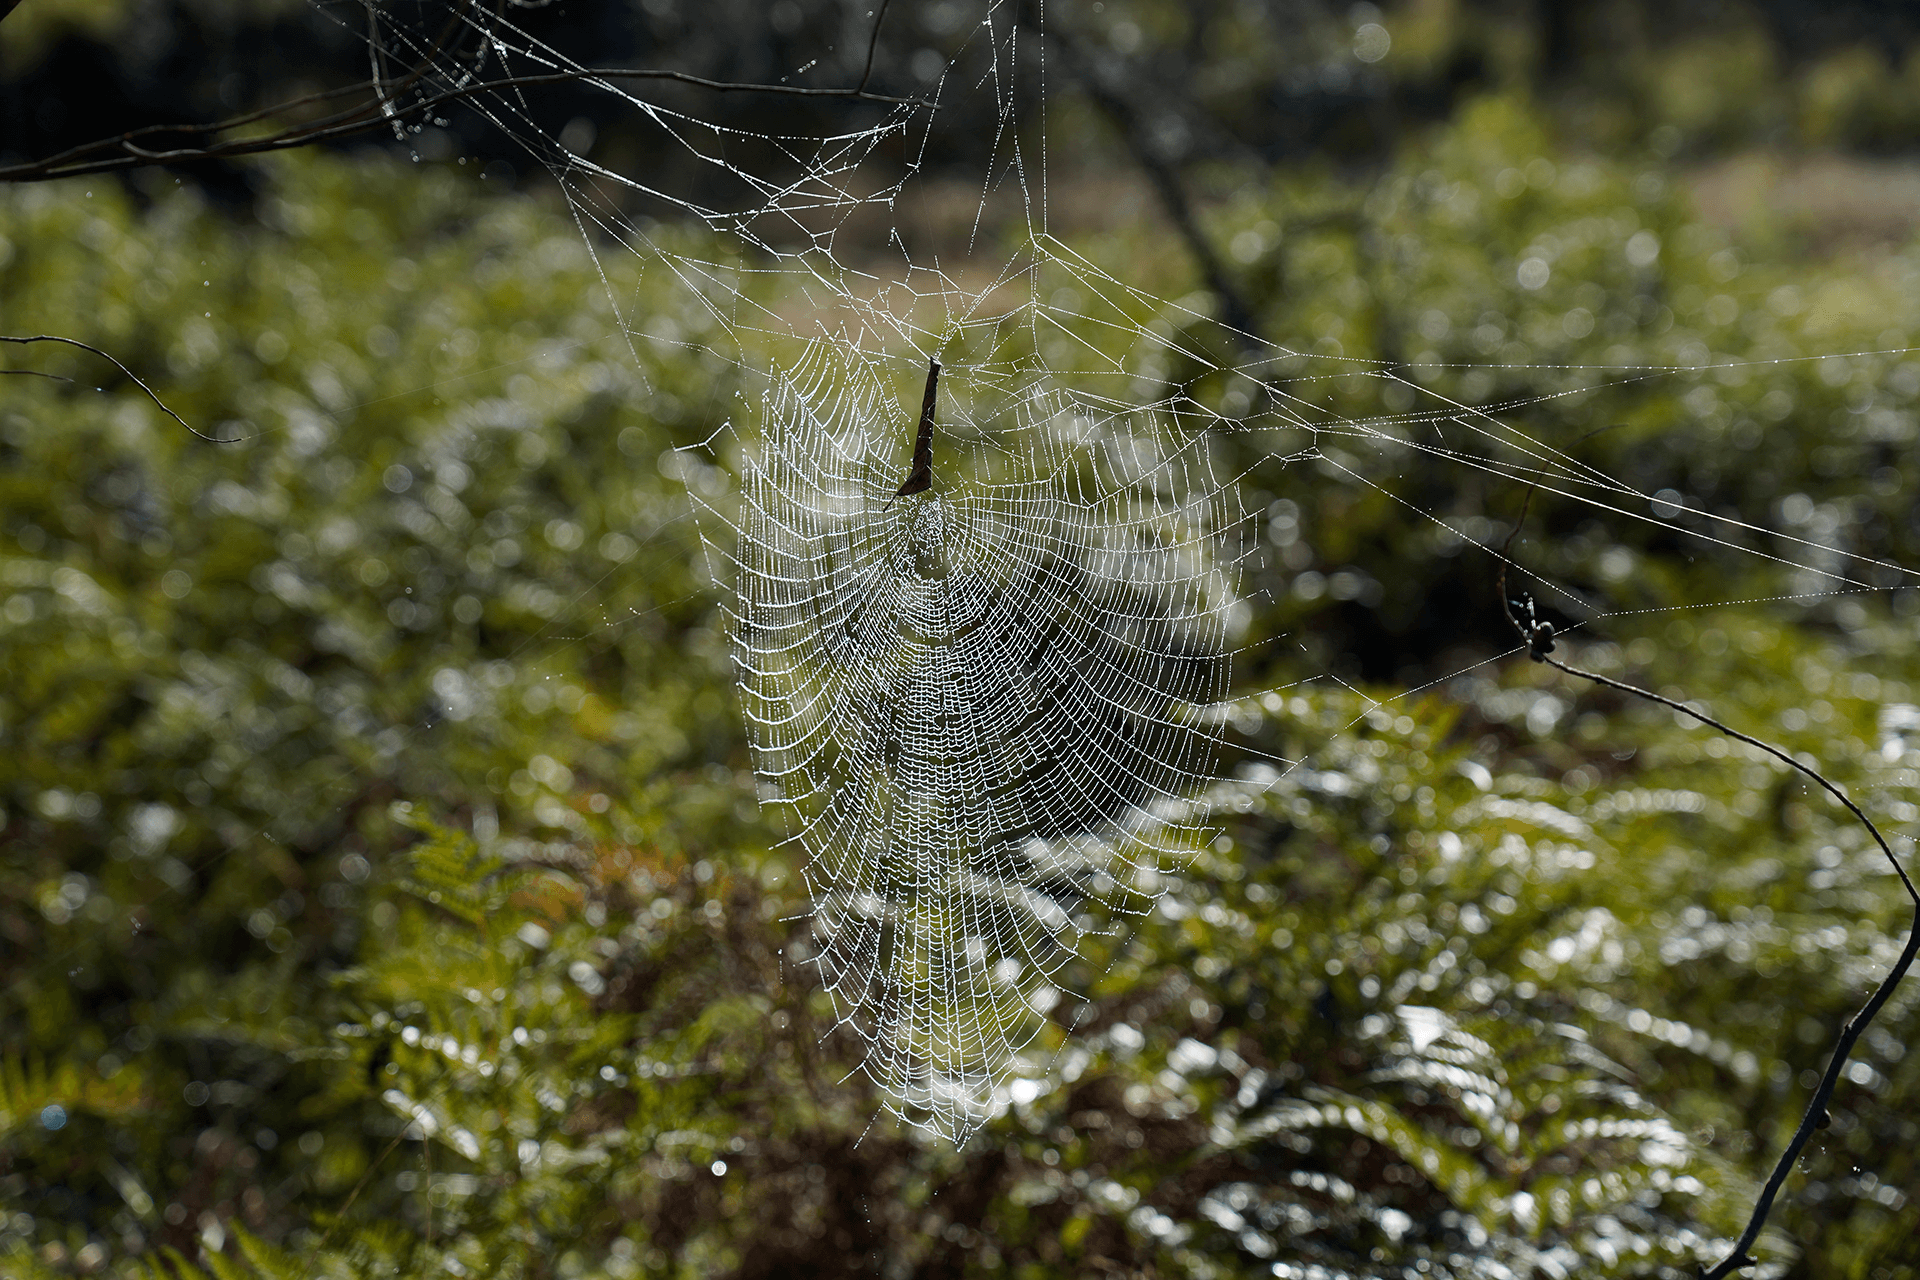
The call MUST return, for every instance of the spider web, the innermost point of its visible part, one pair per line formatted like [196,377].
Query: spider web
[987,712]
[976,704]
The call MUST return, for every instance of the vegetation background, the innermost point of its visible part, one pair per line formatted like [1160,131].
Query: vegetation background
[381,886]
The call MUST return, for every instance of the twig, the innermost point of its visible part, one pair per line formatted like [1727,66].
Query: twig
[1539,637]
[873,45]
[75,342]
[127,154]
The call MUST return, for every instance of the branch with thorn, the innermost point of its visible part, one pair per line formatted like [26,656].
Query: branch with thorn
[1538,635]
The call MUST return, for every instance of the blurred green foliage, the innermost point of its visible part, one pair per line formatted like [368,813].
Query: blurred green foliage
[382,893]
[1689,79]
[438,560]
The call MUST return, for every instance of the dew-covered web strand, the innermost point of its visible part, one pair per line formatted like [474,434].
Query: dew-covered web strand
[1485,421]
[1540,476]
[1548,465]
[818,161]
[1842,581]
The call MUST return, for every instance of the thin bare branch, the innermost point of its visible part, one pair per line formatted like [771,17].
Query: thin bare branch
[1539,638]
[75,342]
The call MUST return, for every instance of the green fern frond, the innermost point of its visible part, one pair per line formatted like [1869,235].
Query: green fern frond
[449,871]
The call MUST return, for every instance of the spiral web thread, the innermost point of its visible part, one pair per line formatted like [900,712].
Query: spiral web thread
[984,709]
[977,704]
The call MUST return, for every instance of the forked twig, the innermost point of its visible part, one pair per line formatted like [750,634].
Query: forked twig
[75,342]
[1539,637]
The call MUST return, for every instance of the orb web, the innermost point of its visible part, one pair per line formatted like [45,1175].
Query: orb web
[978,706]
